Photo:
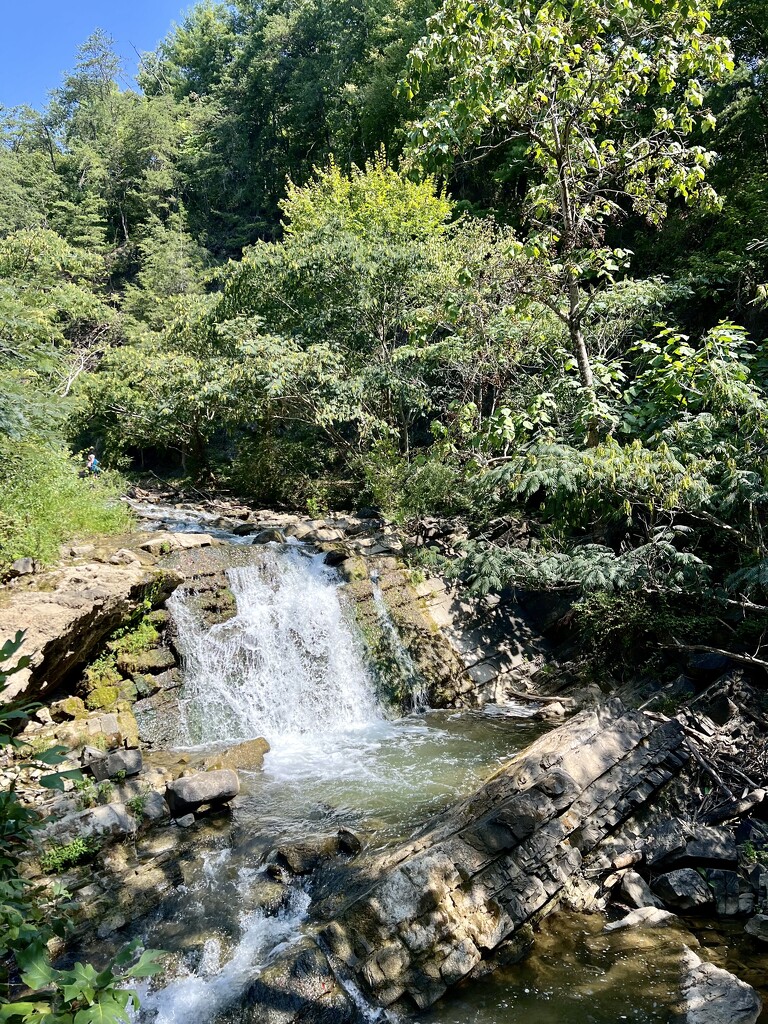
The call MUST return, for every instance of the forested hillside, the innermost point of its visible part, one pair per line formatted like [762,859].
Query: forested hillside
[498,262]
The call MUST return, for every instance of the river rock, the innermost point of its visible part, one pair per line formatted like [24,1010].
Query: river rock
[711,995]
[644,917]
[684,889]
[186,794]
[301,858]
[636,891]
[248,756]
[757,927]
[125,762]
[271,536]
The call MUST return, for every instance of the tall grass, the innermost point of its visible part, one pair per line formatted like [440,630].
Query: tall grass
[43,502]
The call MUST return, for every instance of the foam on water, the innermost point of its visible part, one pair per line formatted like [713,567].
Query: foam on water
[197,995]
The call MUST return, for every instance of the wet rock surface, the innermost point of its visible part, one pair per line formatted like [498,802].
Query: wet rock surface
[711,995]
[444,906]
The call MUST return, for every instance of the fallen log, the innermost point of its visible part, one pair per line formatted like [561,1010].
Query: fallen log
[734,808]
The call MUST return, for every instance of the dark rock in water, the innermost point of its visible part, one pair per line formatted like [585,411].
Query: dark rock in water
[303,857]
[711,995]
[706,665]
[299,988]
[335,558]
[684,889]
[725,886]
[245,529]
[127,762]
[348,842]
[757,927]
[268,894]
[192,791]
[269,536]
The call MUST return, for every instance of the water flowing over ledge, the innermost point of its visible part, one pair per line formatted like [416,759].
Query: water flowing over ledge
[286,665]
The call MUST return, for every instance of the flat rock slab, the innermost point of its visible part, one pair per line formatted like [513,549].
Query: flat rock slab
[439,908]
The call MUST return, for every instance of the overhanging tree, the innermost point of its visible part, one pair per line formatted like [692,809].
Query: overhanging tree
[603,97]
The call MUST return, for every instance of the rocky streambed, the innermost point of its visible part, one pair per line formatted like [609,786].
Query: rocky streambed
[257,758]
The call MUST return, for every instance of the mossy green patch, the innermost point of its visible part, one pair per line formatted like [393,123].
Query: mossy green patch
[102,697]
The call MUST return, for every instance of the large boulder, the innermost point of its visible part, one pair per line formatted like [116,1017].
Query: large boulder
[247,756]
[711,995]
[187,794]
[636,891]
[66,624]
[707,846]
[684,889]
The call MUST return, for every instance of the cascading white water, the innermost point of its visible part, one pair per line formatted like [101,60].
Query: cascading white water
[285,665]
[417,688]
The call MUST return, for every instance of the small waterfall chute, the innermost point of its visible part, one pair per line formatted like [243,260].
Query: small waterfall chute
[287,664]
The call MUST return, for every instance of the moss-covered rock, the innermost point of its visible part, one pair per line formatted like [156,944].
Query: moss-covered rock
[69,707]
[103,697]
[147,662]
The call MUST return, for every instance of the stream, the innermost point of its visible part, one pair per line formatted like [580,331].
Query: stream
[290,666]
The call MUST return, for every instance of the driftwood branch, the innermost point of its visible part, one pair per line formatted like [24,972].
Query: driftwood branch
[743,659]
[707,768]
[734,808]
[539,698]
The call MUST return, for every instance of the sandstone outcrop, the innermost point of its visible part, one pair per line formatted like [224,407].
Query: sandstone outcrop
[68,616]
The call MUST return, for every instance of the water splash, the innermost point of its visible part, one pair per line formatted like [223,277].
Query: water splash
[414,683]
[286,665]
[198,994]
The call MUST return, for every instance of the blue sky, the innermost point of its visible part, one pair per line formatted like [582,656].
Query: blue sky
[39,38]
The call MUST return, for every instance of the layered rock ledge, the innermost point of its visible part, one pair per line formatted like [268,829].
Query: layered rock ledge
[456,901]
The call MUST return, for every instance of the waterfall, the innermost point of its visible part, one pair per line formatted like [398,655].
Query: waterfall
[286,665]
[403,665]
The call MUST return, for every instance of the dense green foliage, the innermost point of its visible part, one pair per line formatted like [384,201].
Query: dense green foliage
[242,271]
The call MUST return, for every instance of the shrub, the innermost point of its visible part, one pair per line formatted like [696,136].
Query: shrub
[57,858]
[43,502]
